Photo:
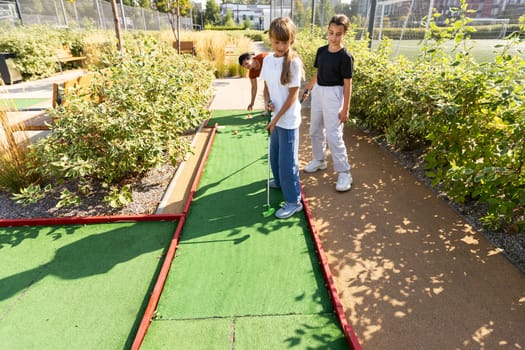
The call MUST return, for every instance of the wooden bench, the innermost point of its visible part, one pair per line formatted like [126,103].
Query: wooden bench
[42,120]
[64,55]
[81,85]
[185,47]
[38,120]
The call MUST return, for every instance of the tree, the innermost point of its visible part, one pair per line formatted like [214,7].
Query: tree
[212,15]
[323,12]
[344,8]
[144,4]
[198,15]
[117,26]
[228,19]
[299,14]
[170,6]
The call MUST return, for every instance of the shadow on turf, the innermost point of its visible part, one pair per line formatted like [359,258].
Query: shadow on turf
[92,255]
[14,236]
[235,210]
[241,118]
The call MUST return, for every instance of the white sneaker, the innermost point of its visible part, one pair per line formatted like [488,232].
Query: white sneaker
[273,184]
[344,182]
[315,165]
[288,210]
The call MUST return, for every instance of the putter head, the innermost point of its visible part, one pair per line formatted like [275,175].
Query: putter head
[268,212]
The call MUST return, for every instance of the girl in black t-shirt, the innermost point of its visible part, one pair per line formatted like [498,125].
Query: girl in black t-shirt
[331,88]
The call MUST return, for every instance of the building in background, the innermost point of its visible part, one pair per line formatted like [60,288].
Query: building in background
[258,15]
[482,8]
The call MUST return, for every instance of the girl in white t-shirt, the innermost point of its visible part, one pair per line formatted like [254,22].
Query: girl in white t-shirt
[282,73]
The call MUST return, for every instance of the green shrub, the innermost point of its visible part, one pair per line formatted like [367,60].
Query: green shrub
[150,99]
[35,47]
[306,46]
[255,35]
[469,117]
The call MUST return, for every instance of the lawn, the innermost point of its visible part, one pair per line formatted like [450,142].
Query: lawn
[482,50]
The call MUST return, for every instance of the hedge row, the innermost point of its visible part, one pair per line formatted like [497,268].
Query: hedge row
[468,118]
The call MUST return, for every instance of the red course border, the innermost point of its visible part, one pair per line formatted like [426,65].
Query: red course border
[159,285]
[348,331]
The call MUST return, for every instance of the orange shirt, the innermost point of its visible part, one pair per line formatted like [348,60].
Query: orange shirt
[254,73]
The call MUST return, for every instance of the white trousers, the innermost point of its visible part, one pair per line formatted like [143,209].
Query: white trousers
[325,128]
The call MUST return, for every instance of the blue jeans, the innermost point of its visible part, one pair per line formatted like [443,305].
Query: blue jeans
[284,160]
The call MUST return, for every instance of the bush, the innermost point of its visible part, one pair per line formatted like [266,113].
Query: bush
[35,47]
[255,35]
[150,99]
[469,117]
[34,50]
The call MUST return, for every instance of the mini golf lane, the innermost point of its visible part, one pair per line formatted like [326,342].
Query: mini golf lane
[239,280]
[18,104]
[77,286]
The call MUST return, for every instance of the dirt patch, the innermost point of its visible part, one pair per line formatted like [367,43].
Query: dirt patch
[147,192]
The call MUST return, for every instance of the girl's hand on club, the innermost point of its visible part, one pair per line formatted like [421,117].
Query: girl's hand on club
[269,127]
[269,106]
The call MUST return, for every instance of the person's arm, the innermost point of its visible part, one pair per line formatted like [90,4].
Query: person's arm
[308,88]
[267,101]
[253,81]
[347,95]
[292,98]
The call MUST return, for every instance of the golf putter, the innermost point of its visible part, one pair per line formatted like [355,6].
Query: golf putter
[269,210]
[305,94]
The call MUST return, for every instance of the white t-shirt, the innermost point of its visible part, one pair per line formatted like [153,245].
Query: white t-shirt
[271,74]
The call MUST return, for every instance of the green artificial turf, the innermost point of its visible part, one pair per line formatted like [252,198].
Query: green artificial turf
[195,334]
[234,265]
[17,104]
[260,332]
[77,286]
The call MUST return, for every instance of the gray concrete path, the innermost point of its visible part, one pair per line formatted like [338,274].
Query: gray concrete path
[42,88]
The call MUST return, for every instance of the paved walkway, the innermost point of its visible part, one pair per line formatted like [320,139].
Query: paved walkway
[42,88]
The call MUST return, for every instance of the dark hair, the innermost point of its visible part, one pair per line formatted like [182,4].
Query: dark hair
[245,56]
[340,20]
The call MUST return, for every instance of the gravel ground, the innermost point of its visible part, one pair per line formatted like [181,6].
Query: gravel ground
[148,190]
[511,244]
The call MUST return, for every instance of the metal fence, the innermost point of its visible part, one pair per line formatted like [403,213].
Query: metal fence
[94,14]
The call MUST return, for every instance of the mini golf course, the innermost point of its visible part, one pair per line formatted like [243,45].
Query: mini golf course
[18,104]
[77,286]
[237,279]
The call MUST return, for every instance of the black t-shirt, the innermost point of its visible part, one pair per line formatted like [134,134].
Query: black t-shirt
[333,67]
